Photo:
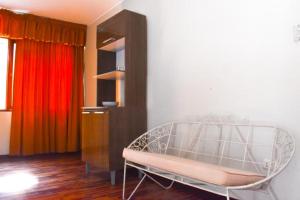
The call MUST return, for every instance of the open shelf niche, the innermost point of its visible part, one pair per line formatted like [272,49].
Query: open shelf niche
[111,71]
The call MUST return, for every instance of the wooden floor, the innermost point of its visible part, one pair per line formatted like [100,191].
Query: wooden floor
[63,177]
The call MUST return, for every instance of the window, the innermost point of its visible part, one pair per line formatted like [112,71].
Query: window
[3,72]
[7,64]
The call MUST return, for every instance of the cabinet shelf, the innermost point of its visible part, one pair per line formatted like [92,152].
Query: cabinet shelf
[113,75]
[113,44]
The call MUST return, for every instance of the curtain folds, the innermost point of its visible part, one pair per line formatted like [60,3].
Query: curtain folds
[26,26]
[74,125]
[48,95]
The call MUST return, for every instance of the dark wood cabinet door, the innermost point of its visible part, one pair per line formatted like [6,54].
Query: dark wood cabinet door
[95,139]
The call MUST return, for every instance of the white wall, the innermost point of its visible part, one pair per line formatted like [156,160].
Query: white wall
[5,119]
[223,57]
[120,84]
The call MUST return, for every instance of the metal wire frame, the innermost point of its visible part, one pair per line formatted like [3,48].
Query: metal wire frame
[171,139]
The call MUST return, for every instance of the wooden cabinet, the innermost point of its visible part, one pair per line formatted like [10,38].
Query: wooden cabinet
[105,135]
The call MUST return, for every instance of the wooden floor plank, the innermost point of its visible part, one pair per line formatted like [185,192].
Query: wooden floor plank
[62,177]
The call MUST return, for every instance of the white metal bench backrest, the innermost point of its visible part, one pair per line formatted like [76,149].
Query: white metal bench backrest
[257,148]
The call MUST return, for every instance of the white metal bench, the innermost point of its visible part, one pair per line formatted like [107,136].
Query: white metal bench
[224,149]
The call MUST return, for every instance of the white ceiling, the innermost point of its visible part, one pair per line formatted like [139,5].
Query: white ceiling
[78,11]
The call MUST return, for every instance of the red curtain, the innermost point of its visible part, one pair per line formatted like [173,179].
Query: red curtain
[47,98]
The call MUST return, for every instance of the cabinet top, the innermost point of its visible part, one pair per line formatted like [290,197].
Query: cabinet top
[120,16]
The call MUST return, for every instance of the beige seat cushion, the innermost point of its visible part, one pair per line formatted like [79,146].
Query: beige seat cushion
[209,173]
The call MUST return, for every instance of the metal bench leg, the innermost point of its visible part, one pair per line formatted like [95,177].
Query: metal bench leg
[124,181]
[124,184]
[135,189]
[161,185]
[138,185]
[227,195]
